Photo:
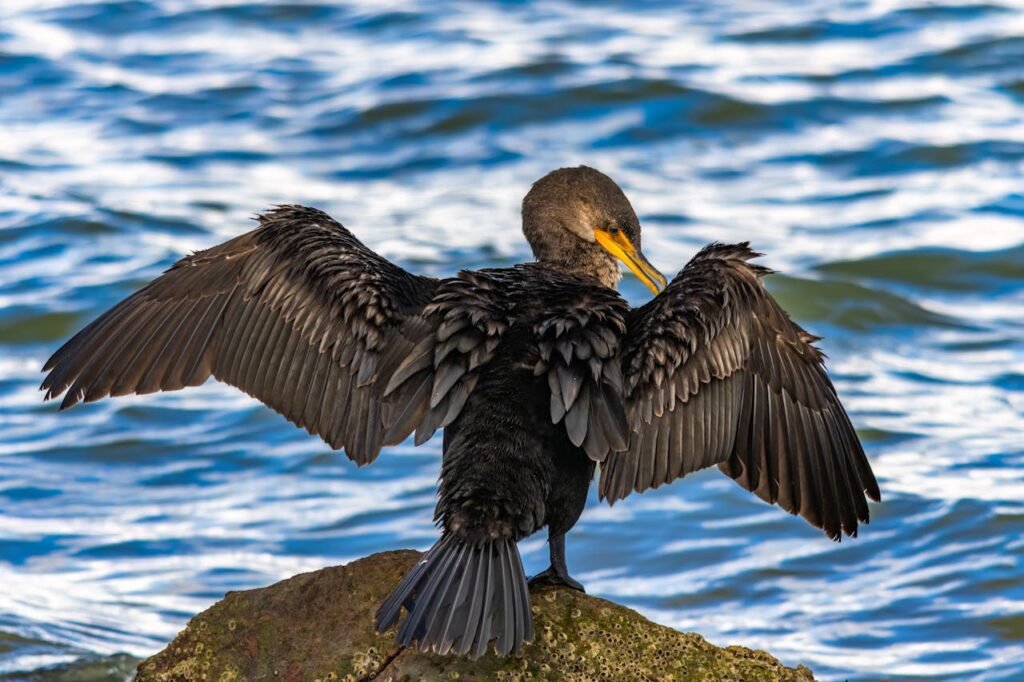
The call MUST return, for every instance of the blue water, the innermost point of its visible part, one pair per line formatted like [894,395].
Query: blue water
[873,150]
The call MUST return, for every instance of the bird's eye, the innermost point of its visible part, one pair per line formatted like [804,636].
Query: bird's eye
[613,229]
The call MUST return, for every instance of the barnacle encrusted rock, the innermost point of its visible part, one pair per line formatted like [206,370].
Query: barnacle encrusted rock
[319,627]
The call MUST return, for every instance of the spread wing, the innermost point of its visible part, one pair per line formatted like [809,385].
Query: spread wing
[297,313]
[717,373]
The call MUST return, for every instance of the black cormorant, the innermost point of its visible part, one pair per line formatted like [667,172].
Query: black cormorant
[536,373]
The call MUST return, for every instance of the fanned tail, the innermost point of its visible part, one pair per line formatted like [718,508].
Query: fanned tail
[461,597]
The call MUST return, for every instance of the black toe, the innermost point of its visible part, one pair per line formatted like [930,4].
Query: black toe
[550,578]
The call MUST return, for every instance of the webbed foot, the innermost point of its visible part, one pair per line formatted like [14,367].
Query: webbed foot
[553,578]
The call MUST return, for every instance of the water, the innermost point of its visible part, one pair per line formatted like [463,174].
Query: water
[873,150]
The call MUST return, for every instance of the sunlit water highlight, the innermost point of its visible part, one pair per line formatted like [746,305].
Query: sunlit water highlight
[873,150]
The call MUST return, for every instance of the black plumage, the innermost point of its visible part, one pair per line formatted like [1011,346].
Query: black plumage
[536,373]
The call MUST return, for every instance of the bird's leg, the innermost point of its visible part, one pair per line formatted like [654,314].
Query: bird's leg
[557,573]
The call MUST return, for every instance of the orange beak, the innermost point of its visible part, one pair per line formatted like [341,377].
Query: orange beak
[618,245]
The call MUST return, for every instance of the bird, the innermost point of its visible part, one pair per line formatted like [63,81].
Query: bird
[537,373]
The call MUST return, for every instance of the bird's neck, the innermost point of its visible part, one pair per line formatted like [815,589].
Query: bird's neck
[585,260]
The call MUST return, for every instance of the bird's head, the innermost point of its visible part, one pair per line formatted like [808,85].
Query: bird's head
[578,219]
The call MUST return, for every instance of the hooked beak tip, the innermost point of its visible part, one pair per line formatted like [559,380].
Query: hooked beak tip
[654,280]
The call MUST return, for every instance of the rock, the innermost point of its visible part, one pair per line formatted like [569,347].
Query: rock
[319,626]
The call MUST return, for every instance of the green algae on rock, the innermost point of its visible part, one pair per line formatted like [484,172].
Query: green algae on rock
[319,627]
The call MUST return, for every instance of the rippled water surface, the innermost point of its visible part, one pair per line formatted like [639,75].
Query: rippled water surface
[873,150]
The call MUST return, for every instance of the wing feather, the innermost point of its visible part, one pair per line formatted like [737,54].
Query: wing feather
[297,313]
[717,373]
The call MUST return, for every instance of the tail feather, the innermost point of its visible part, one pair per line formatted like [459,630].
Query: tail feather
[519,602]
[439,587]
[415,626]
[482,631]
[448,633]
[508,631]
[460,598]
[387,614]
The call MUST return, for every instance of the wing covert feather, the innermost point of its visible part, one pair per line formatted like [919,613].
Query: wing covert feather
[578,333]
